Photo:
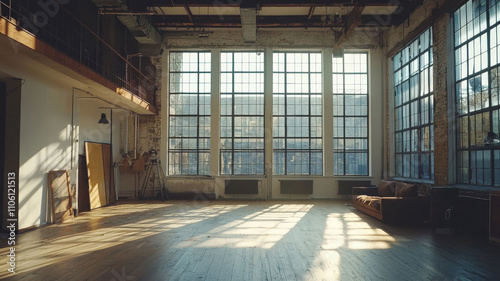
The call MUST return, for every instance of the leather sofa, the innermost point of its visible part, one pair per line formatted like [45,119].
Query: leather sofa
[392,202]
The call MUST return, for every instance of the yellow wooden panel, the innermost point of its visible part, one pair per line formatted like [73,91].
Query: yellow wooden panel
[95,169]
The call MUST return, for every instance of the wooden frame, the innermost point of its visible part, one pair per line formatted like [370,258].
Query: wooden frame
[62,203]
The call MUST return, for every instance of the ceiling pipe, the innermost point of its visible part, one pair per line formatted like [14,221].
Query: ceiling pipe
[126,13]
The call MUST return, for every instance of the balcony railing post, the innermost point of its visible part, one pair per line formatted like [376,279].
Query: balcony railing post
[81,43]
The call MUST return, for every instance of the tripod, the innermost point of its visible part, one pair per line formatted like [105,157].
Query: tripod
[154,170]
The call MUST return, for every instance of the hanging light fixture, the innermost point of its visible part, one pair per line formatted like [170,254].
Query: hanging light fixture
[103,119]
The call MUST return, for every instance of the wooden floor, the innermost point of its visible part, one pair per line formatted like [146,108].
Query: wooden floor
[245,240]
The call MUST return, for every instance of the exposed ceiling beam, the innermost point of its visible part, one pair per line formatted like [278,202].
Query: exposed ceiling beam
[354,19]
[233,21]
[266,3]
[311,12]
[188,11]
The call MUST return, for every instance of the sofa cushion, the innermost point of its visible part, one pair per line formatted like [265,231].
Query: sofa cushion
[367,200]
[405,190]
[386,188]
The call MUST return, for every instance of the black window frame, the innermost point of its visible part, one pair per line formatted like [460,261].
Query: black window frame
[344,150]
[406,144]
[198,116]
[476,122]
[232,150]
[285,150]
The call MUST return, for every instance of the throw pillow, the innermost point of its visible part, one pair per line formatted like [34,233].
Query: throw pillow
[386,188]
[399,186]
[406,190]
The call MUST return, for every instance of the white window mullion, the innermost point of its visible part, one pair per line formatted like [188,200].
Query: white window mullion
[268,118]
[327,113]
[215,113]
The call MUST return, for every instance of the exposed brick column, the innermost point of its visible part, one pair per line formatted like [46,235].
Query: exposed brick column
[440,101]
[387,108]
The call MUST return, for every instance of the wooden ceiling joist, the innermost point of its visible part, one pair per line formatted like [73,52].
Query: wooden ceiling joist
[354,19]
[311,12]
[188,11]
[267,3]
[314,16]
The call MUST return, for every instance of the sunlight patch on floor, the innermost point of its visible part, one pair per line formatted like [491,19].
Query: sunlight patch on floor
[348,230]
[58,249]
[261,229]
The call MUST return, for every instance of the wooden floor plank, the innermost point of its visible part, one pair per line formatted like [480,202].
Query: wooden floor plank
[244,240]
[239,265]
[249,263]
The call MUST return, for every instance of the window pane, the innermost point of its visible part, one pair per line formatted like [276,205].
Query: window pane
[350,110]
[413,108]
[189,119]
[242,113]
[477,41]
[297,111]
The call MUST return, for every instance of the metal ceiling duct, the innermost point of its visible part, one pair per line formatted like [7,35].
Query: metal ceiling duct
[249,24]
[139,25]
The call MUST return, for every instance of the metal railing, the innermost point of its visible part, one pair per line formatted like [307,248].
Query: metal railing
[59,28]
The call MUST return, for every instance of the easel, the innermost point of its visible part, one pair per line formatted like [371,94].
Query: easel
[154,170]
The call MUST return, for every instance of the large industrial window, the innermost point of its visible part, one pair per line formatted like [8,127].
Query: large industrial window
[297,123]
[477,78]
[189,131]
[350,114]
[242,113]
[414,109]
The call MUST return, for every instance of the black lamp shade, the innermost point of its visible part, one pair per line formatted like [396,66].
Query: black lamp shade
[103,119]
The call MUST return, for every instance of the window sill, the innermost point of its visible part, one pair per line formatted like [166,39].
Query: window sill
[412,180]
[198,177]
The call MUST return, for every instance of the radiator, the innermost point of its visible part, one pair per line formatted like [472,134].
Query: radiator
[296,186]
[242,187]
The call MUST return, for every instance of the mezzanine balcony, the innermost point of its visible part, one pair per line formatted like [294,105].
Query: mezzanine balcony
[63,37]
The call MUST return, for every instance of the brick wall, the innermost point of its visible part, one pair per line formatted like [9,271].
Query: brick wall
[150,125]
[440,102]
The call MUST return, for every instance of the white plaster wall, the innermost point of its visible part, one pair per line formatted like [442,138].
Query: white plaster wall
[376,113]
[90,130]
[127,187]
[45,130]
[45,145]
[45,139]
